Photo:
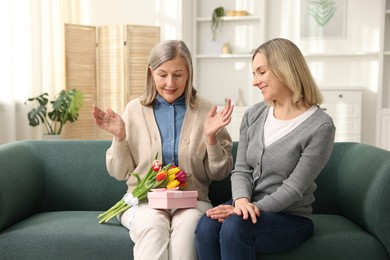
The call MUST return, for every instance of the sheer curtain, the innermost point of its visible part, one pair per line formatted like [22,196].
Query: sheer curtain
[31,60]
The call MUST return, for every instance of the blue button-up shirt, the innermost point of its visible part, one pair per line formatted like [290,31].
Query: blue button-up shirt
[169,119]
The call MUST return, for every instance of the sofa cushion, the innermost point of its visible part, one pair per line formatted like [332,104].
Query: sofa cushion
[335,237]
[66,235]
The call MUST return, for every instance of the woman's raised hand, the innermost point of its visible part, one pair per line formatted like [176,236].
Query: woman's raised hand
[216,120]
[110,121]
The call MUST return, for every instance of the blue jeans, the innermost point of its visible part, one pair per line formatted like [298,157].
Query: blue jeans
[236,238]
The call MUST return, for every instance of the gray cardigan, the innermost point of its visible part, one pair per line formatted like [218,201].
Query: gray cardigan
[280,177]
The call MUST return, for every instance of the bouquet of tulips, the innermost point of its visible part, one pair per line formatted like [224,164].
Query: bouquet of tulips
[168,177]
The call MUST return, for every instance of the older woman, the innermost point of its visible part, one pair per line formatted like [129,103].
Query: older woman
[173,121]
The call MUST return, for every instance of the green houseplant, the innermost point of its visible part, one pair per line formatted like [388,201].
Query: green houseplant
[65,108]
[216,20]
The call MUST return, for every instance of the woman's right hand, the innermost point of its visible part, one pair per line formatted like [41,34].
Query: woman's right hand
[220,212]
[110,121]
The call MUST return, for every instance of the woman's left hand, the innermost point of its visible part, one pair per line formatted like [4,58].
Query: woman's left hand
[216,120]
[243,207]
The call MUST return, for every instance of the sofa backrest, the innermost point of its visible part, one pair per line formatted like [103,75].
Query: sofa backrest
[355,175]
[72,175]
[220,191]
[76,177]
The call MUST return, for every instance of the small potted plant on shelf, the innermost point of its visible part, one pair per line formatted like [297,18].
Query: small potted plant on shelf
[65,107]
[216,20]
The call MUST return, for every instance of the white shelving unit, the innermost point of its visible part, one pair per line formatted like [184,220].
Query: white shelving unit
[345,107]
[217,75]
[234,126]
[383,129]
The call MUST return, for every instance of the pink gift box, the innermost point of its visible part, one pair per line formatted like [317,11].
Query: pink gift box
[174,199]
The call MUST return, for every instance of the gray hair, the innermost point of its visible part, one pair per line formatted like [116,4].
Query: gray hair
[163,52]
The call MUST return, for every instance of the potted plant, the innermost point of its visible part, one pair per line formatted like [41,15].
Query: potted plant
[65,108]
[216,20]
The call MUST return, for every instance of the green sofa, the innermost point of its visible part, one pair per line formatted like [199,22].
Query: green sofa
[52,191]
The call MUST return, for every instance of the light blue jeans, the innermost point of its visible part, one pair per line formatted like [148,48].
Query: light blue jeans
[236,238]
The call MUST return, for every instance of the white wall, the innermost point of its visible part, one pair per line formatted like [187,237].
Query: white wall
[362,32]
[363,20]
[167,14]
[283,20]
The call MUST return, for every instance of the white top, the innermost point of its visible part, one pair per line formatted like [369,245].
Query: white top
[274,128]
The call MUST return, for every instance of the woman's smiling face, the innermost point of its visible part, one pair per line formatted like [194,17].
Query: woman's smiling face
[171,79]
[264,79]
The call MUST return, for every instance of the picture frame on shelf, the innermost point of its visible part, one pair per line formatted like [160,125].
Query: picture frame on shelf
[323,19]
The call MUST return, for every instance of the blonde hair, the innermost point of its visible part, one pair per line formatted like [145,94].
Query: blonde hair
[162,52]
[286,61]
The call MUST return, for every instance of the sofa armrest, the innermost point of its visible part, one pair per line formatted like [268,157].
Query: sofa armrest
[363,188]
[21,182]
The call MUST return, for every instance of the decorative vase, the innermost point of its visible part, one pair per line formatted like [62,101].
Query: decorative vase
[226,48]
[240,100]
[51,137]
